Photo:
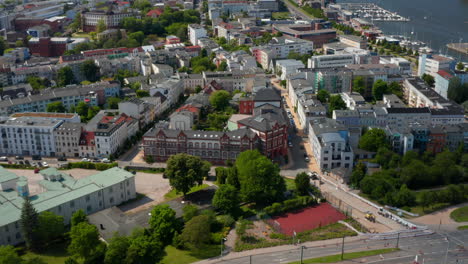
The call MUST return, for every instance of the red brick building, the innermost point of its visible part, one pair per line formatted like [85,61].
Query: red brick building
[436,141]
[314,33]
[48,47]
[213,146]
[246,105]
[56,24]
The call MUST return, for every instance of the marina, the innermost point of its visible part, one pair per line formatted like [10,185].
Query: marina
[460,47]
[371,11]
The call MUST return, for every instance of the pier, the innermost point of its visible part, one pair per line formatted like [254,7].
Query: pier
[460,47]
[373,12]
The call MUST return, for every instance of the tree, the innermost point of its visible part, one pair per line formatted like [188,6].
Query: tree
[2,46]
[82,108]
[78,217]
[92,111]
[426,199]
[379,89]
[358,85]
[56,107]
[323,96]
[117,249]
[336,103]
[50,227]
[144,249]
[101,26]
[302,182]
[184,171]
[142,93]
[90,70]
[226,199]
[405,197]
[29,222]
[163,223]
[190,211]
[65,76]
[113,102]
[373,139]
[460,66]
[429,79]
[222,66]
[415,175]
[8,255]
[84,240]
[220,99]
[457,91]
[359,172]
[221,175]
[197,231]
[395,88]
[259,178]
[37,83]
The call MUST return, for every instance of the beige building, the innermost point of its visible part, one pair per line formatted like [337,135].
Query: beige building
[67,138]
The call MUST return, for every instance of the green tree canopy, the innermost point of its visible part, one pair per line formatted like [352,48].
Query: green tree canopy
[37,83]
[358,85]
[101,26]
[50,227]
[113,102]
[144,249]
[117,249]
[90,70]
[226,199]
[163,223]
[78,217]
[429,79]
[84,240]
[65,76]
[323,96]
[259,178]
[379,89]
[184,171]
[190,211]
[220,99]
[142,93]
[460,66]
[373,139]
[8,255]
[336,103]
[29,223]
[56,107]
[197,231]
[3,46]
[457,91]
[302,182]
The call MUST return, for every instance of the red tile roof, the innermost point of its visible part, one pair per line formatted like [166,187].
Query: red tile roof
[155,12]
[445,74]
[86,138]
[189,108]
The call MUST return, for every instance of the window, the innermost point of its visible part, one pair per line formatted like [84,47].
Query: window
[87,198]
[111,200]
[72,204]
[89,208]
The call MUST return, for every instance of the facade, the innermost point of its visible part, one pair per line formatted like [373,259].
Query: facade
[287,67]
[444,78]
[90,20]
[53,47]
[62,195]
[182,120]
[195,32]
[431,64]
[279,48]
[329,142]
[67,139]
[144,112]
[215,147]
[307,109]
[330,61]
[307,32]
[29,136]
[406,117]
[336,80]
[353,41]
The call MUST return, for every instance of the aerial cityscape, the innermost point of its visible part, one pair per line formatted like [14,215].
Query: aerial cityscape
[233,131]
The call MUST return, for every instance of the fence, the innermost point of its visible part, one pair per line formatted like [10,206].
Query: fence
[338,203]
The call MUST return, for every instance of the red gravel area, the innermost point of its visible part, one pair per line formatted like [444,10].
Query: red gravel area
[306,219]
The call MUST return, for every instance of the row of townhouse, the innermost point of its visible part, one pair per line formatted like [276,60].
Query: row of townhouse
[61,194]
[280,48]
[93,94]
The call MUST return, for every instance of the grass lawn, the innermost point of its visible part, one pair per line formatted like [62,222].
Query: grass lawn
[347,256]
[172,194]
[56,254]
[177,256]
[290,184]
[280,15]
[460,214]
[465,227]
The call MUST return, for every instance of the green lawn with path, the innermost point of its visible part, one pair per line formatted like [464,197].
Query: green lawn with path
[460,214]
[465,227]
[173,194]
[177,256]
[347,256]
[55,254]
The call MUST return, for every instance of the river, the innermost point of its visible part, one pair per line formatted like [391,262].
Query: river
[436,22]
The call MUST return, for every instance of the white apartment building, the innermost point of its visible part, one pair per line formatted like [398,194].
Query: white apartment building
[29,136]
[431,64]
[329,141]
[61,194]
[287,67]
[330,61]
[182,120]
[195,32]
[403,64]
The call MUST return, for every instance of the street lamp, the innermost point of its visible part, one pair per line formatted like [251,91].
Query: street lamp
[446,252]
[222,245]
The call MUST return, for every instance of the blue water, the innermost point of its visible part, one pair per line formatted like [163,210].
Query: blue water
[436,22]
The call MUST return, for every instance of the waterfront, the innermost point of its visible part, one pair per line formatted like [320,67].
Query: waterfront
[435,22]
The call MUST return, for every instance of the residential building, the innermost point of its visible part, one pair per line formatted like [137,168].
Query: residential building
[62,195]
[181,120]
[406,117]
[53,47]
[444,78]
[111,19]
[144,112]
[329,141]
[308,109]
[213,146]
[403,64]
[353,100]
[67,139]
[307,32]
[431,64]
[287,67]
[330,61]
[195,32]
[279,48]
[333,80]
[353,41]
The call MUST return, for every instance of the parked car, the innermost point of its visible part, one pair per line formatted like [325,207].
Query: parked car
[19,157]
[27,162]
[21,162]
[105,160]
[62,159]
[306,158]
[85,160]
[313,175]
[39,164]
[96,160]
[62,165]
[36,157]
[3,158]
[45,164]
[290,144]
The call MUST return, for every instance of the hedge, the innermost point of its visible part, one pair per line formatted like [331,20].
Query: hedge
[288,205]
[91,165]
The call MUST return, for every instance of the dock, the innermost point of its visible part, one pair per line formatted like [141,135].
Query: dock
[460,47]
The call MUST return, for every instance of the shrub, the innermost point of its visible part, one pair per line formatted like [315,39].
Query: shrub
[288,205]
[91,165]
[225,220]
[279,236]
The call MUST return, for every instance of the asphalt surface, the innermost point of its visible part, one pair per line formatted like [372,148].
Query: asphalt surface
[433,248]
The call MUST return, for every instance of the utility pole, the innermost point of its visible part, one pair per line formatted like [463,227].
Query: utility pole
[302,254]
[342,249]
[250,259]
[398,240]
[446,252]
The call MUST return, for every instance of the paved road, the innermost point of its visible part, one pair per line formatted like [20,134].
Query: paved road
[431,248]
